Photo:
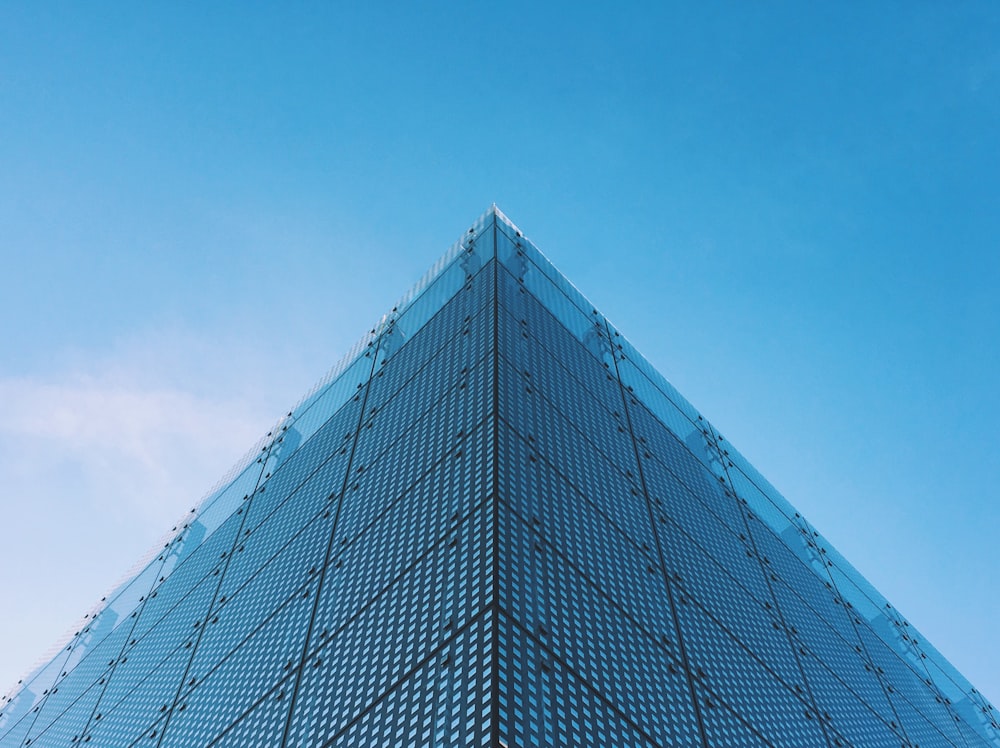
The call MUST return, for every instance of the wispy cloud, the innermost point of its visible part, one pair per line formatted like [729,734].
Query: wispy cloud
[134,445]
[100,456]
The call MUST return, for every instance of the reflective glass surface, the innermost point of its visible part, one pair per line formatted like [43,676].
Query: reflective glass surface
[494,523]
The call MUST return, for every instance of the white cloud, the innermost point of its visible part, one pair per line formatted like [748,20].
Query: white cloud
[99,458]
[138,443]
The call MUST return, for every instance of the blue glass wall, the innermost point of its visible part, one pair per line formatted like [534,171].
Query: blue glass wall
[495,524]
[652,580]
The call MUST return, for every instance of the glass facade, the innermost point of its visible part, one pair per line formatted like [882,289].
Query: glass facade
[494,523]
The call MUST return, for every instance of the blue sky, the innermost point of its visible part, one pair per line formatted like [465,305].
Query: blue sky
[793,210]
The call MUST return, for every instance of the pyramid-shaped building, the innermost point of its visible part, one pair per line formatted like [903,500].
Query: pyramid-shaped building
[494,524]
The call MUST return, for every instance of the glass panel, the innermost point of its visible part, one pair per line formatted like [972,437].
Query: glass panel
[441,281]
[521,261]
[339,585]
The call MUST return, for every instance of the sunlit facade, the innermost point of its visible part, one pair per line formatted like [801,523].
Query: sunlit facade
[495,524]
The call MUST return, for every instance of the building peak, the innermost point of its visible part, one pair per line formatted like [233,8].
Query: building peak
[495,523]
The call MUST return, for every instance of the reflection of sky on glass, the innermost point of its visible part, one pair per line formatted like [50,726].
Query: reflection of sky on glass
[792,214]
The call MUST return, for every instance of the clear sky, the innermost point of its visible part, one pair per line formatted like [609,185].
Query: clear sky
[793,210]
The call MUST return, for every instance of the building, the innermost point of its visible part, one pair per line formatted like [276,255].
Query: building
[495,524]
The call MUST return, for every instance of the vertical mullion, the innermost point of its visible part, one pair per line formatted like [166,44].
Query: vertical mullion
[373,352]
[659,545]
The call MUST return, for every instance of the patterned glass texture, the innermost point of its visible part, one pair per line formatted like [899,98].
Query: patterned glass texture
[493,523]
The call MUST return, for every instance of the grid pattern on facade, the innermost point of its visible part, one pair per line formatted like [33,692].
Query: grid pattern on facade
[496,525]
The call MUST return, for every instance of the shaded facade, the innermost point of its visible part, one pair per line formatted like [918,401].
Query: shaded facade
[495,524]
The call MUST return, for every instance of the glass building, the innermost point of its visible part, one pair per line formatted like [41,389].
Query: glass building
[495,524]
